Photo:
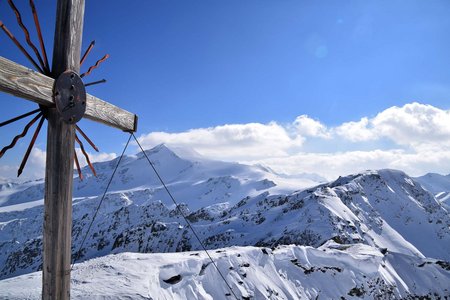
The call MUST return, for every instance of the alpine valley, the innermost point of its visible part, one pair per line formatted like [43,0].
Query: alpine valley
[372,235]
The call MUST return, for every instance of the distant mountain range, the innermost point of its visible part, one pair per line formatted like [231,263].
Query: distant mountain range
[356,223]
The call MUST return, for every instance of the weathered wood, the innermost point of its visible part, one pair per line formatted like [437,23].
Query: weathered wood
[26,83]
[108,114]
[60,156]
[68,33]
[58,209]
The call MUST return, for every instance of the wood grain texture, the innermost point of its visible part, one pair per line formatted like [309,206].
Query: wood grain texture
[58,208]
[60,155]
[68,36]
[108,114]
[25,83]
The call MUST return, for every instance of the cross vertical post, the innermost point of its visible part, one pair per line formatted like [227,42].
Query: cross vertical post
[50,91]
[60,155]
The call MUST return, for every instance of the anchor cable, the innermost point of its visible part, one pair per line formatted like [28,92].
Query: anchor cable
[184,217]
[98,207]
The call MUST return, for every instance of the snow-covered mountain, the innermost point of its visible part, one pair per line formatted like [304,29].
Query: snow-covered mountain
[195,181]
[332,271]
[437,184]
[231,204]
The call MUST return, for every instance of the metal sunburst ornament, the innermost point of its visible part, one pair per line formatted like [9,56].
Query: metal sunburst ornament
[69,91]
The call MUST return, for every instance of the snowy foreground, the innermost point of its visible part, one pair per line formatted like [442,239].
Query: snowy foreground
[375,234]
[331,271]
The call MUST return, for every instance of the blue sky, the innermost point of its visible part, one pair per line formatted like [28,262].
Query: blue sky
[187,65]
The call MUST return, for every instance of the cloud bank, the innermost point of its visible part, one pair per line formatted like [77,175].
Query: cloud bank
[414,138]
[35,167]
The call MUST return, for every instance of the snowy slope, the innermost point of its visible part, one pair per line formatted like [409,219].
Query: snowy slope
[332,271]
[190,178]
[437,184]
[383,209]
[434,183]
[27,190]
[374,233]
[193,180]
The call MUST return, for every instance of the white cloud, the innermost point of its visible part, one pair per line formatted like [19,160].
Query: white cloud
[419,138]
[306,126]
[35,167]
[356,131]
[419,135]
[331,165]
[94,157]
[232,142]
[6,171]
[36,164]
[415,125]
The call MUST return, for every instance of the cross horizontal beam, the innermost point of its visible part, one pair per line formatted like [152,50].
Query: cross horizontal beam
[25,83]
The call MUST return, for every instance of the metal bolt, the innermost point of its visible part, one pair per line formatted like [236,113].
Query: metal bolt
[71,101]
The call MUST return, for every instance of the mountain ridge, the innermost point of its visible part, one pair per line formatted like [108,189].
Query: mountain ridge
[385,210]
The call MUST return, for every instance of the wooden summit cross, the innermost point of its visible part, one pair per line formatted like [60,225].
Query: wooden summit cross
[25,83]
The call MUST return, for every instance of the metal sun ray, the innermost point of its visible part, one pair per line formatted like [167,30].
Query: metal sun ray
[44,67]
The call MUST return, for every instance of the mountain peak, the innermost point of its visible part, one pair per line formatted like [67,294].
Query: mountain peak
[160,151]
[435,183]
[390,174]
[160,148]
